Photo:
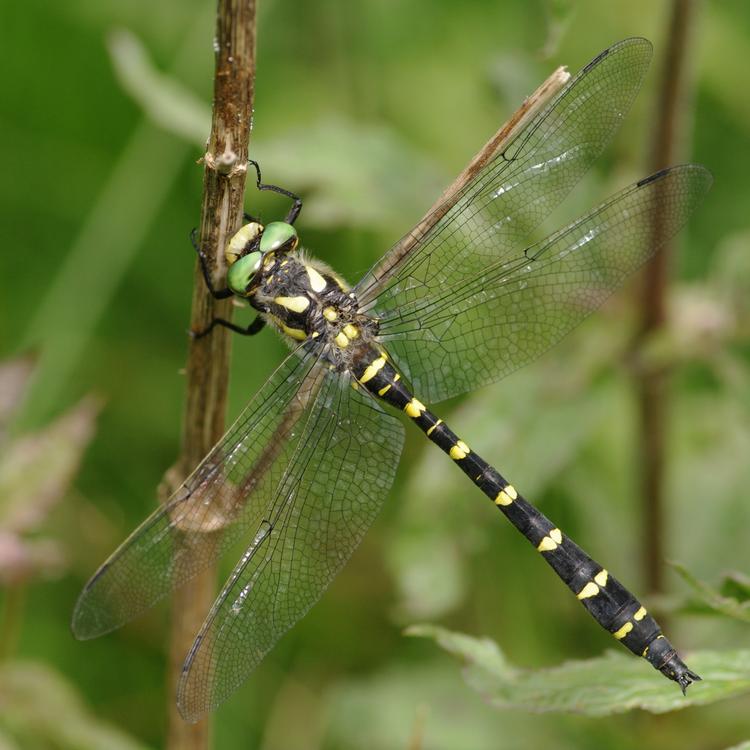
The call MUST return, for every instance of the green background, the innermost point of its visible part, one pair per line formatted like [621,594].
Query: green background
[367,109]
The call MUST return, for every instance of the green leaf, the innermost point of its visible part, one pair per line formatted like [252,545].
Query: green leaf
[352,174]
[14,376]
[735,585]
[162,97]
[36,470]
[41,709]
[418,706]
[610,684]
[559,15]
[35,473]
[742,746]
[719,601]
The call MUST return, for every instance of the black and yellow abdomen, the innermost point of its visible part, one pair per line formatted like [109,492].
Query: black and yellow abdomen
[608,601]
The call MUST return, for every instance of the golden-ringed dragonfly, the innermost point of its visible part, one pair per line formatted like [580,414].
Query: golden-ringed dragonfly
[460,302]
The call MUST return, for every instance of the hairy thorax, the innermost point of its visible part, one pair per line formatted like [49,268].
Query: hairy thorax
[307,302]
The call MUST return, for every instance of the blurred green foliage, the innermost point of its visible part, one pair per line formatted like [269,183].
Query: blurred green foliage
[367,109]
[610,684]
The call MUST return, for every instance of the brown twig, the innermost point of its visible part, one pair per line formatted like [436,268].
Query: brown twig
[652,381]
[225,169]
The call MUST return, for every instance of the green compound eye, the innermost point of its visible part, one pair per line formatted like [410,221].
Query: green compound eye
[241,273]
[277,235]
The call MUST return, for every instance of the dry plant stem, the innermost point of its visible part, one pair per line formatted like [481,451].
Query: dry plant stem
[208,358]
[652,381]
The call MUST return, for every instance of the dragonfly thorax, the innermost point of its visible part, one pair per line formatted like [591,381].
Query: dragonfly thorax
[307,301]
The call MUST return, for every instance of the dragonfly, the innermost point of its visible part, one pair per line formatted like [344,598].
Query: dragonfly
[461,301]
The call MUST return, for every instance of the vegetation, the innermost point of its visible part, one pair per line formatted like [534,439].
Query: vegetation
[368,110]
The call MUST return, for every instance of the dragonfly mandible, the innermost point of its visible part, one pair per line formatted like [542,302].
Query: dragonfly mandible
[460,302]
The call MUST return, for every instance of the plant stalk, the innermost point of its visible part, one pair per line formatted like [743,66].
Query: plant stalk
[652,380]
[207,370]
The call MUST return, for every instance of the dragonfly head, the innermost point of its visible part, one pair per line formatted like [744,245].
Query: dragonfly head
[249,245]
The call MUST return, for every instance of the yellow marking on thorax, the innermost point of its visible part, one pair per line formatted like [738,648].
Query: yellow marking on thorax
[414,408]
[431,430]
[372,369]
[601,577]
[623,631]
[330,314]
[550,542]
[396,376]
[351,331]
[384,390]
[341,340]
[317,282]
[295,304]
[294,333]
[640,614]
[459,450]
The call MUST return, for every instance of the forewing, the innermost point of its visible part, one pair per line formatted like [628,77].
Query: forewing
[224,498]
[331,490]
[477,331]
[495,212]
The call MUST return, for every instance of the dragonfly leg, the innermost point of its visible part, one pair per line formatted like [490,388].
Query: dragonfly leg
[216,293]
[254,327]
[297,205]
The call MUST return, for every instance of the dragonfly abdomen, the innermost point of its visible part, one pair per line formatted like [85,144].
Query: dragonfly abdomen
[606,599]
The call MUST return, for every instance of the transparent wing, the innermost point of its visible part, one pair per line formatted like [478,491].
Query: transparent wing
[224,498]
[329,493]
[476,331]
[517,189]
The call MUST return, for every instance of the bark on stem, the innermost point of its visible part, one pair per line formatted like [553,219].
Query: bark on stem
[652,381]
[225,170]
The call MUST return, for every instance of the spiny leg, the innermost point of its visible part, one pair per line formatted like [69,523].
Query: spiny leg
[257,324]
[215,293]
[294,211]
[254,327]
